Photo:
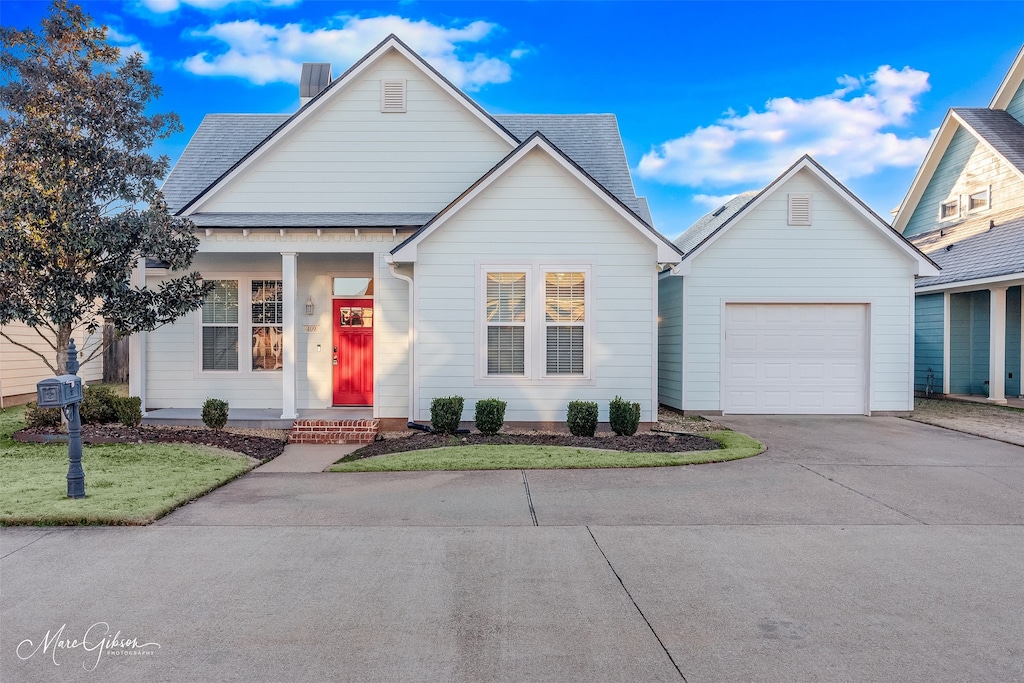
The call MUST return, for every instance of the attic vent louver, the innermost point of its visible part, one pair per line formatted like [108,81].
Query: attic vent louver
[392,97]
[799,209]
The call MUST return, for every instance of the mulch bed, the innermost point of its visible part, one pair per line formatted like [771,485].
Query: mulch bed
[259,447]
[638,443]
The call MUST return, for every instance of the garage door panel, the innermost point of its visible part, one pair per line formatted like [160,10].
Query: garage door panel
[795,358]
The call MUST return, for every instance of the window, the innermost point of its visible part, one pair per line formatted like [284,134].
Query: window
[564,312]
[978,201]
[506,323]
[220,326]
[267,317]
[950,209]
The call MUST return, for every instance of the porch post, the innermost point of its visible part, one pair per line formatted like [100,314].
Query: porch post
[997,345]
[289,285]
[137,345]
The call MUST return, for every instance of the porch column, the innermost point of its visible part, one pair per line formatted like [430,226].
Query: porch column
[289,283]
[137,345]
[997,345]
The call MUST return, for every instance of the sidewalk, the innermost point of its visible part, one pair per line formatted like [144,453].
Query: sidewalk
[306,458]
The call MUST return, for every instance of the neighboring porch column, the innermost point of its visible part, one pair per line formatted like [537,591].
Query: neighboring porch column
[137,345]
[997,345]
[289,283]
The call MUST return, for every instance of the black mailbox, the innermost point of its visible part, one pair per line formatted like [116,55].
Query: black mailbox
[59,391]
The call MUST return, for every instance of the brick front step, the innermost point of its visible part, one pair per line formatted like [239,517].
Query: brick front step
[333,431]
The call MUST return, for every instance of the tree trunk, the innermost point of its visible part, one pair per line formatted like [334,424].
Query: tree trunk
[63,337]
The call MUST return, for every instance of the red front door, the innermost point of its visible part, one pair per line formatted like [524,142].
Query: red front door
[353,352]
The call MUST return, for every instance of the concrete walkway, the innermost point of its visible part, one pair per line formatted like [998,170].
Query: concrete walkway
[854,549]
[306,458]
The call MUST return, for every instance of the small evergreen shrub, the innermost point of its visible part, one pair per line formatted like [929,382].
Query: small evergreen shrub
[445,414]
[582,418]
[98,405]
[42,418]
[623,416]
[129,410]
[490,415]
[215,413]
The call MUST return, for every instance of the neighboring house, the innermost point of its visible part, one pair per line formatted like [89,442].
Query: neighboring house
[392,242]
[21,369]
[794,299]
[965,209]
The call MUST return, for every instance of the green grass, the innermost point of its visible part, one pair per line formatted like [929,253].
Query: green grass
[499,457]
[124,483]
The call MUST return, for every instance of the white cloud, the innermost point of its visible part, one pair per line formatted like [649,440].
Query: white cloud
[847,131]
[128,44]
[165,6]
[712,201]
[264,53]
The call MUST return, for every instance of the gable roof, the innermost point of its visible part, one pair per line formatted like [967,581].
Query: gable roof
[994,252]
[711,221]
[925,266]
[388,45]
[1011,83]
[999,131]
[406,251]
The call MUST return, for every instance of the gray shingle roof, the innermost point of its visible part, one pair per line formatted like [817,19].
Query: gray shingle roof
[310,220]
[995,252]
[707,224]
[999,129]
[591,140]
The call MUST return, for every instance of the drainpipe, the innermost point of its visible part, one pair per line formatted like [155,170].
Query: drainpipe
[393,268]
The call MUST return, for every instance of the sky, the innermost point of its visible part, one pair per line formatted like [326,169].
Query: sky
[712,98]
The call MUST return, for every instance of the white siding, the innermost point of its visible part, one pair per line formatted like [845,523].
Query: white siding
[20,369]
[351,157]
[536,213]
[391,333]
[838,259]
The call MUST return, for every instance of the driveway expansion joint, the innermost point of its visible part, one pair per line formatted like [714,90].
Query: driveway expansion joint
[4,557]
[861,493]
[638,610]
[529,499]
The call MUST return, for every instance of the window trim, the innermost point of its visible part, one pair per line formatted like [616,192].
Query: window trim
[535,334]
[245,369]
[987,191]
[954,202]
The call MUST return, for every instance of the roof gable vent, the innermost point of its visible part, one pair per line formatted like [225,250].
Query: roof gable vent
[799,209]
[392,97]
[314,80]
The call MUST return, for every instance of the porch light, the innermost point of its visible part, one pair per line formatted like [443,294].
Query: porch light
[309,305]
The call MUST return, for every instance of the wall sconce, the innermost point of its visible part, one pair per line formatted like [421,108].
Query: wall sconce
[309,305]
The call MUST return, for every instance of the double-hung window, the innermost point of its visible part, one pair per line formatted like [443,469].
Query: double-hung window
[220,326]
[242,326]
[267,316]
[506,323]
[565,322]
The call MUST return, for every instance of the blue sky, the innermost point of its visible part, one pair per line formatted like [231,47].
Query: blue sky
[712,98]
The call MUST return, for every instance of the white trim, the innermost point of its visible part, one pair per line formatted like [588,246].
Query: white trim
[655,348]
[947,336]
[393,268]
[391,43]
[953,203]
[289,291]
[407,252]
[1011,82]
[987,191]
[924,265]
[978,283]
[912,346]
[244,326]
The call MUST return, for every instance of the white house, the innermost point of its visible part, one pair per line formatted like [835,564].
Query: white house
[21,369]
[392,242]
[794,299]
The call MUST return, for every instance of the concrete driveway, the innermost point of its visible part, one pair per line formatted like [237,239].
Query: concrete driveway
[866,549]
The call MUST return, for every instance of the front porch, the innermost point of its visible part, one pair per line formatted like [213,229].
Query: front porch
[253,418]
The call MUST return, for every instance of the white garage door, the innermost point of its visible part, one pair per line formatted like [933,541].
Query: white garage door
[795,358]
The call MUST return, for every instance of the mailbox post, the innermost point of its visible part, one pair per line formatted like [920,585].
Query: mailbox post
[65,392]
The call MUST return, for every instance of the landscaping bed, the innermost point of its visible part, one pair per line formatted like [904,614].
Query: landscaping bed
[263,448]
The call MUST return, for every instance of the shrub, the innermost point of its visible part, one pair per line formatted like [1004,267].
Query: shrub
[445,414]
[215,413]
[624,416]
[129,410]
[490,415]
[98,405]
[42,418]
[582,418]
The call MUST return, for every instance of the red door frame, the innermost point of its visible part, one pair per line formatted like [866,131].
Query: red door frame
[352,360]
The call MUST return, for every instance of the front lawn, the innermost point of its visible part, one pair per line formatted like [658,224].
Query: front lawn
[124,483]
[512,457]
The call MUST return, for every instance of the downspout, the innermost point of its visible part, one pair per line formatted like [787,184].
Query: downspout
[393,268]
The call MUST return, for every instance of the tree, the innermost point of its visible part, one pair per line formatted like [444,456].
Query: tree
[79,196]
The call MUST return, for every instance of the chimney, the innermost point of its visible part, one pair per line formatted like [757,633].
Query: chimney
[315,79]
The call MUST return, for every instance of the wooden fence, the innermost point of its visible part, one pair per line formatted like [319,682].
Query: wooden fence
[115,357]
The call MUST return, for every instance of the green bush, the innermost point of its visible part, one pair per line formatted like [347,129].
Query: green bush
[215,413]
[129,410]
[490,415]
[42,418]
[582,418]
[445,414]
[98,405]
[624,416]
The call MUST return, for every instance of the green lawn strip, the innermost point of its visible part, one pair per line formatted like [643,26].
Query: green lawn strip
[124,483]
[500,457]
